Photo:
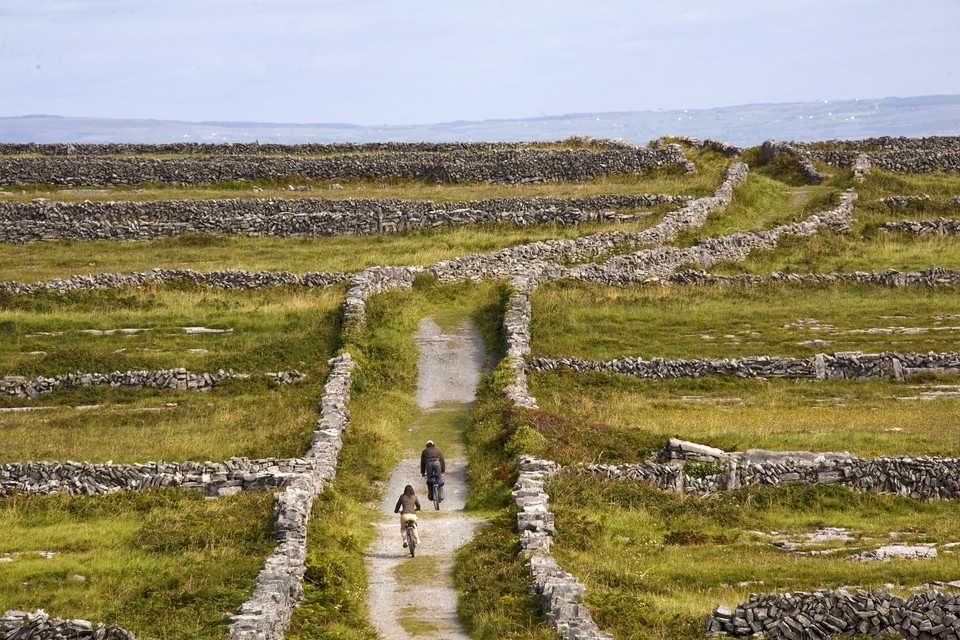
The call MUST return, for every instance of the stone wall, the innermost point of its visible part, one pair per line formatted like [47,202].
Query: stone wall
[45,220]
[935,276]
[255,148]
[519,260]
[935,227]
[226,279]
[507,166]
[164,379]
[266,614]
[902,155]
[848,365]
[212,478]
[927,478]
[559,592]
[821,614]
[723,148]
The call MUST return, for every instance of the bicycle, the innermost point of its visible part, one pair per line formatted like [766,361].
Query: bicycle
[412,536]
[435,487]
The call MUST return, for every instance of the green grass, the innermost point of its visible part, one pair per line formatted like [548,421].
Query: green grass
[866,418]
[335,581]
[593,322]
[161,563]
[654,563]
[276,329]
[492,586]
[243,419]
[271,329]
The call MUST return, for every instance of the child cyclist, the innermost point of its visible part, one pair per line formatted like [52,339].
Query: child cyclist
[407,507]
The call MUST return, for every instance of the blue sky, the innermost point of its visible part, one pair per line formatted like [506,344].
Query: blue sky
[395,62]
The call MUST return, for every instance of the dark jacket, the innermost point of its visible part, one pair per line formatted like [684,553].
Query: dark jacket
[410,504]
[431,453]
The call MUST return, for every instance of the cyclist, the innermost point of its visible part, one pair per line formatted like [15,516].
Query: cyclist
[432,465]
[407,507]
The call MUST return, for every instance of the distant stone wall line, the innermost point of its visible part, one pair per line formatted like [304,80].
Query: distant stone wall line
[257,148]
[501,166]
[46,220]
[901,155]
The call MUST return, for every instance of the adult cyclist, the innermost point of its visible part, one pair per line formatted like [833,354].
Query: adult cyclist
[432,467]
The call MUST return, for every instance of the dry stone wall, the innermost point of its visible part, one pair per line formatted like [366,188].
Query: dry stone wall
[560,593]
[225,278]
[508,166]
[519,260]
[821,614]
[935,227]
[164,379]
[212,478]
[266,614]
[45,220]
[902,155]
[850,365]
[926,478]
[255,148]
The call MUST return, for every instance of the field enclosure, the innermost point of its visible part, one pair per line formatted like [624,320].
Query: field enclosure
[204,347]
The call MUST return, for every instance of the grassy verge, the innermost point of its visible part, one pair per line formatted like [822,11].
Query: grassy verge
[655,563]
[866,418]
[162,564]
[601,323]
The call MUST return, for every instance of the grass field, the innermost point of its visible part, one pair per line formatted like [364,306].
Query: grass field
[595,322]
[654,564]
[164,564]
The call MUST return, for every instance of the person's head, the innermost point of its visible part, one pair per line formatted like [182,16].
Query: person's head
[408,490]
[429,443]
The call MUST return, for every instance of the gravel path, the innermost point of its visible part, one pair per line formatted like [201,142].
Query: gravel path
[449,370]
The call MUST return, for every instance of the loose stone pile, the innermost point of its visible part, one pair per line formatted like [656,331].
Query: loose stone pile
[822,614]
[165,379]
[560,593]
[509,166]
[848,365]
[43,220]
[38,625]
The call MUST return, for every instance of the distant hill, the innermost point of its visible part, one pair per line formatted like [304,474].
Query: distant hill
[744,125]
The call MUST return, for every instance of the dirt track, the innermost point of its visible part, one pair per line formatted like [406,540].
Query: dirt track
[449,369]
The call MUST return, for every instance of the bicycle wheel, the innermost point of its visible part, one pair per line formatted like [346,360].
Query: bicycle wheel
[411,540]
[436,496]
